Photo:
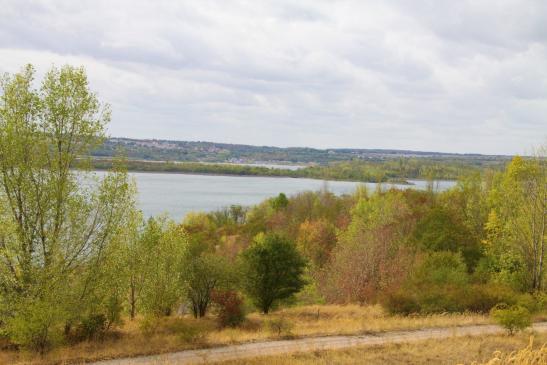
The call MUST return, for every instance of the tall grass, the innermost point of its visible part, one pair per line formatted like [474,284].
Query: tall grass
[525,356]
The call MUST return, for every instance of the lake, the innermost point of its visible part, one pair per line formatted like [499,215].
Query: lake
[178,194]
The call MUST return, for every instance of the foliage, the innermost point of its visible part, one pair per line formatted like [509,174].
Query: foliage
[279,202]
[272,270]
[75,253]
[517,223]
[514,318]
[164,245]
[439,230]
[204,273]
[92,327]
[315,241]
[483,297]
[371,255]
[59,225]
[231,313]
[436,285]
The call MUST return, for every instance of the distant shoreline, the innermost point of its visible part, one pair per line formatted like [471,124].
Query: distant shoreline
[257,176]
[259,171]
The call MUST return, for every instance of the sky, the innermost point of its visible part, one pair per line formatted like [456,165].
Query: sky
[450,76]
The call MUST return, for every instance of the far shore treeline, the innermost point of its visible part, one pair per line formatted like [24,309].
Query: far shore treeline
[393,171]
[76,261]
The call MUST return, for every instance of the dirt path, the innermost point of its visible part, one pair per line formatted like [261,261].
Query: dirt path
[256,349]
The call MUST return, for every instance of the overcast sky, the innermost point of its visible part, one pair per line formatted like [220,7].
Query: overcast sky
[454,76]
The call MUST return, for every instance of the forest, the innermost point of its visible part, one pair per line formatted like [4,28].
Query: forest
[78,262]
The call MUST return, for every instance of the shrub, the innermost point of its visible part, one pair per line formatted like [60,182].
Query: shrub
[482,298]
[437,284]
[231,313]
[92,327]
[400,302]
[514,318]
[439,299]
[280,327]
[36,326]
[534,303]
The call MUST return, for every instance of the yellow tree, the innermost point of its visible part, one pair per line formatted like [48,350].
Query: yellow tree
[520,208]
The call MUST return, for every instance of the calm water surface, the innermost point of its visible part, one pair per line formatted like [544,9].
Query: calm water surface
[178,194]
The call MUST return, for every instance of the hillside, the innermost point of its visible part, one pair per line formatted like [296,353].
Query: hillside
[165,150]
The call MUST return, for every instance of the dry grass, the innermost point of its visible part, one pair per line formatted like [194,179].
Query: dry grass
[174,334]
[526,356]
[457,350]
[339,320]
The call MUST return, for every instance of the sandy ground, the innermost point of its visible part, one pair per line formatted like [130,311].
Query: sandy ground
[267,348]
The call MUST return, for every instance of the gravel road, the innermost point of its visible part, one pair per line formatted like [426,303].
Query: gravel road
[266,348]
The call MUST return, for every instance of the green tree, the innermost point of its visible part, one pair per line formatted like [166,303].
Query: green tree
[204,273]
[439,230]
[163,247]
[57,231]
[272,270]
[280,201]
[133,257]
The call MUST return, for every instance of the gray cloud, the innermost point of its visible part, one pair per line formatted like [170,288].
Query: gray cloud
[459,76]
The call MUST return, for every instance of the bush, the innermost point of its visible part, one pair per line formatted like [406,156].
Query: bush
[92,327]
[438,299]
[534,303]
[513,319]
[280,327]
[437,284]
[231,313]
[482,298]
[36,326]
[400,302]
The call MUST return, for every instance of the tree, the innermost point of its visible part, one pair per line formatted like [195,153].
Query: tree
[57,231]
[279,202]
[133,257]
[316,240]
[439,230]
[204,273]
[371,255]
[517,222]
[272,270]
[163,247]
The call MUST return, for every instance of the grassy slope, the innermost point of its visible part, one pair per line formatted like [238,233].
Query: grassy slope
[173,334]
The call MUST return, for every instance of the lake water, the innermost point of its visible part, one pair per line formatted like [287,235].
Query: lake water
[178,194]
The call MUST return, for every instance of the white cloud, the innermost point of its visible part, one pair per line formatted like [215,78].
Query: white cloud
[432,75]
